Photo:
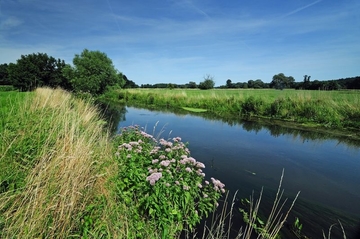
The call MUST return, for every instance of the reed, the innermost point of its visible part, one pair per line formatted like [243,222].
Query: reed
[329,109]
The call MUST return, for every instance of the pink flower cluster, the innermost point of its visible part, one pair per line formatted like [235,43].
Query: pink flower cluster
[153,178]
[218,186]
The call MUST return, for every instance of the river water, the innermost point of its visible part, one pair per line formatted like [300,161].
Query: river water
[249,155]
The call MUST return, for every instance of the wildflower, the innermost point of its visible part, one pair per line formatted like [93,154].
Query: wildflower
[167,150]
[187,169]
[167,184]
[200,165]
[165,163]
[162,157]
[153,178]
[177,183]
[173,160]
[217,184]
[186,187]
[192,160]
[207,182]
[154,161]
[128,156]
[117,153]
[163,142]
[134,143]
[205,195]
[199,185]
[177,139]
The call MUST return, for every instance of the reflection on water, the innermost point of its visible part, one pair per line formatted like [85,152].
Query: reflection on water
[249,155]
[113,114]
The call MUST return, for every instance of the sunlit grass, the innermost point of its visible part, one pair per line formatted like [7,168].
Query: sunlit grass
[331,109]
[55,160]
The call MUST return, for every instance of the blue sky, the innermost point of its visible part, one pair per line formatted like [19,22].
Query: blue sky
[177,41]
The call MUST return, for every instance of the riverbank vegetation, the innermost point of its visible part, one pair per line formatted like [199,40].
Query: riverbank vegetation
[63,175]
[54,158]
[328,109]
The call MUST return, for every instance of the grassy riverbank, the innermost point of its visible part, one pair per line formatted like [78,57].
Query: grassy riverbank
[56,163]
[62,176]
[328,109]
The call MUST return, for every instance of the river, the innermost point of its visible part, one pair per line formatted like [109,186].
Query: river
[248,155]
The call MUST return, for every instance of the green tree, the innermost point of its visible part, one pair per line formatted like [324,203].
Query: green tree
[229,84]
[258,84]
[34,70]
[208,83]
[4,75]
[191,85]
[93,72]
[129,83]
[250,83]
[280,81]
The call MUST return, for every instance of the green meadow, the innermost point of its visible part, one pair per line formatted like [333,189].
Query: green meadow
[326,109]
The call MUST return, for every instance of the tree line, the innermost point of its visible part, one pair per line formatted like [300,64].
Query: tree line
[279,81]
[92,72]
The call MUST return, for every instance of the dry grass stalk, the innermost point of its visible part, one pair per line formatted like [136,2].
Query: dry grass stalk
[67,177]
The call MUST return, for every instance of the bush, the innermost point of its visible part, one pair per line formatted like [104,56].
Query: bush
[252,106]
[167,184]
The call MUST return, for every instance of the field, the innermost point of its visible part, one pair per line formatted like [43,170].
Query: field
[329,109]
[270,94]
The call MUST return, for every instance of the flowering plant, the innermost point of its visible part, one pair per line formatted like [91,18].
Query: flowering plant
[166,182]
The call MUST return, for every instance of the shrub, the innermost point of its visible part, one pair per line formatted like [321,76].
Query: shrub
[252,106]
[167,184]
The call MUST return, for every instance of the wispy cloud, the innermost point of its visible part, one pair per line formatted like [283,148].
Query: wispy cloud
[191,6]
[300,9]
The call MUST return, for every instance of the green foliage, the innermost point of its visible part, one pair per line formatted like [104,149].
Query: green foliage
[167,184]
[93,72]
[252,106]
[280,81]
[36,70]
[191,85]
[129,83]
[336,109]
[4,75]
[208,83]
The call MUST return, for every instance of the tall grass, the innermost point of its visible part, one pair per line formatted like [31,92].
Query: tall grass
[221,224]
[331,109]
[55,158]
